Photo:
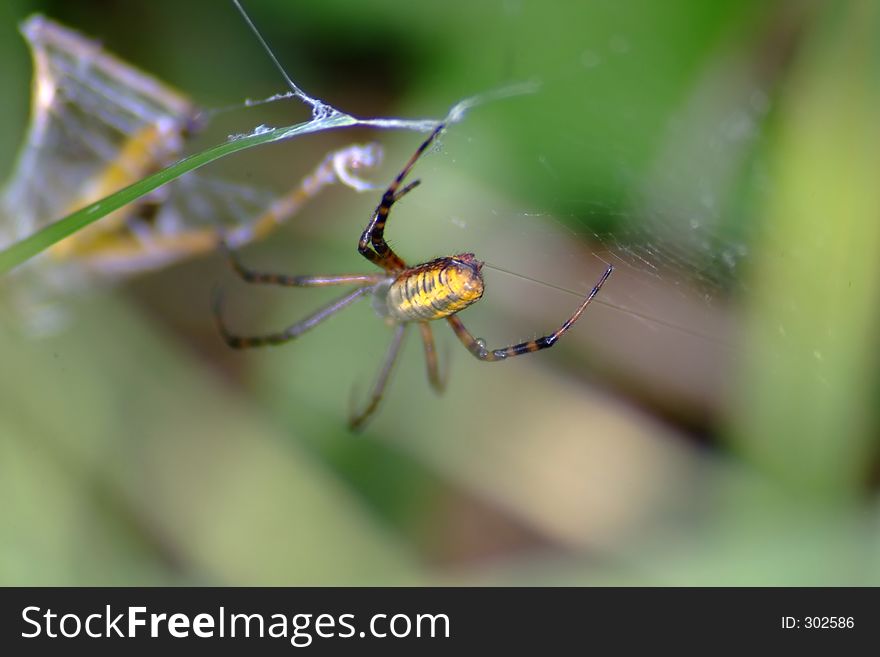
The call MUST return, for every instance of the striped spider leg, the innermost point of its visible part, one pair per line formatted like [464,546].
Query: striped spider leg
[404,295]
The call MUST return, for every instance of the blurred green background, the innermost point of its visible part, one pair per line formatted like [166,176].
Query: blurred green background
[712,422]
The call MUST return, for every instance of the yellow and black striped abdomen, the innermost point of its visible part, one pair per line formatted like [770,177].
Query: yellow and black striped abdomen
[436,289]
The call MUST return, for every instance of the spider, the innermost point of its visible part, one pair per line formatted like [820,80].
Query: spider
[437,289]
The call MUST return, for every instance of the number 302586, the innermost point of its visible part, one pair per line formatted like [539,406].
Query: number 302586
[818,622]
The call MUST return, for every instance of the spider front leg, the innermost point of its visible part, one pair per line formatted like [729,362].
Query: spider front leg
[374,235]
[478,347]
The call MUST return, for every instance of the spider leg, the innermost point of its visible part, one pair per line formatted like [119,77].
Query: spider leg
[356,422]
[374,235]
[478,347]
[438,382]
[252,276]
[292,331]
[406,190]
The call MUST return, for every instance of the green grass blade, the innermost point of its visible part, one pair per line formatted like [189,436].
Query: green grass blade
[30,246]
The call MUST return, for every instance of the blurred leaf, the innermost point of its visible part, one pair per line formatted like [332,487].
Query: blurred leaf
[180,478]
[806,387]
